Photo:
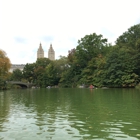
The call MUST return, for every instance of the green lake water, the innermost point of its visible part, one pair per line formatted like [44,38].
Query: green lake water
[70,114]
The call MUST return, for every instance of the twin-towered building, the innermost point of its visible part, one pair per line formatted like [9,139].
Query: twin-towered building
[51,52]
[40,54]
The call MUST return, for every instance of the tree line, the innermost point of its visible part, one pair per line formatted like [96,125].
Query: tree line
[93,61]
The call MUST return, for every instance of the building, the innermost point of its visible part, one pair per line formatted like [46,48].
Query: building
[40,52]
[51,52]
[17,66]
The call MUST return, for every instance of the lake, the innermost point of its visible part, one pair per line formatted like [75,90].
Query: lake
[70,114]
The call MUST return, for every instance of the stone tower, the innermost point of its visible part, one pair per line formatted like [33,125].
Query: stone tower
[51,53]
[40,52]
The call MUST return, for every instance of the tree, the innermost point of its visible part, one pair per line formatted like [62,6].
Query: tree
[119,68]
[67,79]
[28,72]
[16,75]
[2,84]
[5,64]
[88,47]
[61,65]
[131,40]
[43,62]
[38,75]
[81,60]
[52,75]
[71,55]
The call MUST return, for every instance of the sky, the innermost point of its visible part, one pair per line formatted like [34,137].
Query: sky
[24,24]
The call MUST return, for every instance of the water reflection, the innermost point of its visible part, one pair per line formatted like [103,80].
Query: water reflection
[70,114]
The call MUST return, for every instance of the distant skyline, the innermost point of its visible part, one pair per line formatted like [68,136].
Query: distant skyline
[24,24]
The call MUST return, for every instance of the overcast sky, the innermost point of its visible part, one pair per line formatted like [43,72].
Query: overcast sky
[26,23]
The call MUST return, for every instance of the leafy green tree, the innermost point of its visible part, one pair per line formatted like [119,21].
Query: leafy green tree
[52,75]
[28,72]
[61,65]
[80,59]
[94,72]
[71,55]
[99,72]
[16,75]
[38,76]
[2,84]
[43,62]
[68,74]
[136,57]
[67,79]
[35,72]
[88,47]
[131,40]
[119,69]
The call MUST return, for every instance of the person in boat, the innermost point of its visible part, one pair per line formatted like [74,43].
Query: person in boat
[91,86]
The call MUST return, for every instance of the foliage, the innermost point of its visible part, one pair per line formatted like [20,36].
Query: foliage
[61,65]
[2,84]
[43,62]
[28,72]
[16,75]
[45,72]
[93,61]
[71,55]
[81,60]
[5,65]
[88,47]
[52,75]
[120,69]
[130,38]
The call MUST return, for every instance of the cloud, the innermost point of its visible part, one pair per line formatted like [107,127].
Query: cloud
[47,38]
[26,23]
[20,40]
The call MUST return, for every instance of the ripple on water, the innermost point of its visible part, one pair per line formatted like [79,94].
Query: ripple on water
[68,120]
[116,130]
